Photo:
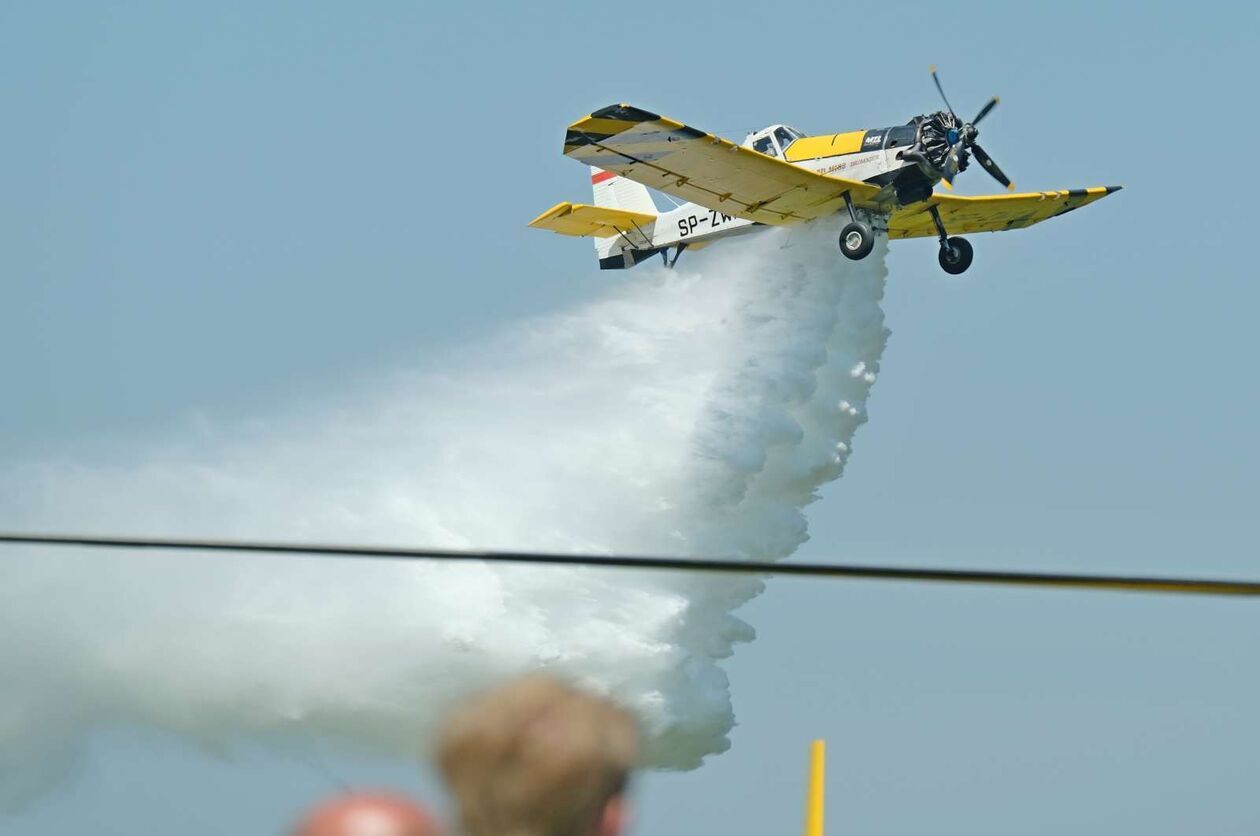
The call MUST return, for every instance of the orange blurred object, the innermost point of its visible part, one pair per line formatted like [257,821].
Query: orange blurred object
[368,814]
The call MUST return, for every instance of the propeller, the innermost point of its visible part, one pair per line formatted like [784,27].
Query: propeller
[960,139]
[984,111]
[941,90]
[953,162]
[986,162]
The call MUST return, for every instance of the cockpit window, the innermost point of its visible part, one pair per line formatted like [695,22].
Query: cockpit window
[765,146]
[785,136]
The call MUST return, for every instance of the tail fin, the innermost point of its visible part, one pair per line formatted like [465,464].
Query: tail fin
[617,192]
[613,191]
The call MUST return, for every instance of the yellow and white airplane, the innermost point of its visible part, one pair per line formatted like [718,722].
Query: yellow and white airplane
[882,178]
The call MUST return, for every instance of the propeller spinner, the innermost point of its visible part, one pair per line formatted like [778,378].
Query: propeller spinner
[961,138]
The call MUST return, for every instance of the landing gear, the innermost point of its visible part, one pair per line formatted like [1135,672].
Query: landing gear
[677,253]
[664,251]
[856,239]
[955,255]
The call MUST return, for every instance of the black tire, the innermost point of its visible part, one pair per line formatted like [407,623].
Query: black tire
[857,240]
[955,256]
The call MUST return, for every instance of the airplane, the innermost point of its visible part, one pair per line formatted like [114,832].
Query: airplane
[883,179]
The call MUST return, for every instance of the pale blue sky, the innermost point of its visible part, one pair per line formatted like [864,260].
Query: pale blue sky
[218,209]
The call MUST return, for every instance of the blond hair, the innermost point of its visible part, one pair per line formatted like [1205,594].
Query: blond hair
[536,757]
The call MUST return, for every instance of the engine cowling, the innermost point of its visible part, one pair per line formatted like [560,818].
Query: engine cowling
[937,133]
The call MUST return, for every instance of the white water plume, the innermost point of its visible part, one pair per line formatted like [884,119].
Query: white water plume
[692,412]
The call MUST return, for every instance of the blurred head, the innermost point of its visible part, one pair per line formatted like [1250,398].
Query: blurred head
[539,758]
[368,814]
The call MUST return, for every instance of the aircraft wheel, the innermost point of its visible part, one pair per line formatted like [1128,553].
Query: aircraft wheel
[856,240]
[955,256]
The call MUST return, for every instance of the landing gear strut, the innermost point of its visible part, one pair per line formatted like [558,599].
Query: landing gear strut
[955,255]
[677,252]
[856,239]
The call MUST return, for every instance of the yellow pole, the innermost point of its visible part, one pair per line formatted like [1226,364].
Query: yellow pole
[816,791]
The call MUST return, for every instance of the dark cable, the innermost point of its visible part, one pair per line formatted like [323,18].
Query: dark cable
[1187,586]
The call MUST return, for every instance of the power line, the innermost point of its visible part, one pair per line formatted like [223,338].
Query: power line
[1125,583]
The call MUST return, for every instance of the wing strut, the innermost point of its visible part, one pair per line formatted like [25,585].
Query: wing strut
[625,236]
[647,241]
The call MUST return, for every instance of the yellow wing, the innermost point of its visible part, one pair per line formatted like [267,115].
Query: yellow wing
[990,213]
[581,219]
[709,170]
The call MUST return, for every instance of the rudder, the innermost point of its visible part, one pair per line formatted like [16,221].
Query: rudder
[617,192]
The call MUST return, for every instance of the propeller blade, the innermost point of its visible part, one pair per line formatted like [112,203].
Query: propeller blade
[941,90]
[990,166]
[950,170]
[984,111]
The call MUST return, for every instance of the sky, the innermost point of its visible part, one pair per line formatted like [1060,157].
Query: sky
[222,210]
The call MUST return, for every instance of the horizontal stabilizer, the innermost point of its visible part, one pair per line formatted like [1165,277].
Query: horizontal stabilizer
[581,220]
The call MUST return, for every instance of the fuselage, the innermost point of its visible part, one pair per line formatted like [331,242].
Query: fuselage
[873,156]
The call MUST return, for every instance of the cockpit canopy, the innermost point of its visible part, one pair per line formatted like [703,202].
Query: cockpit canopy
[772,141]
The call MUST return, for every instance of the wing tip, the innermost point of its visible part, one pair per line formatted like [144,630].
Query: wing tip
[622,112]
[562,208]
